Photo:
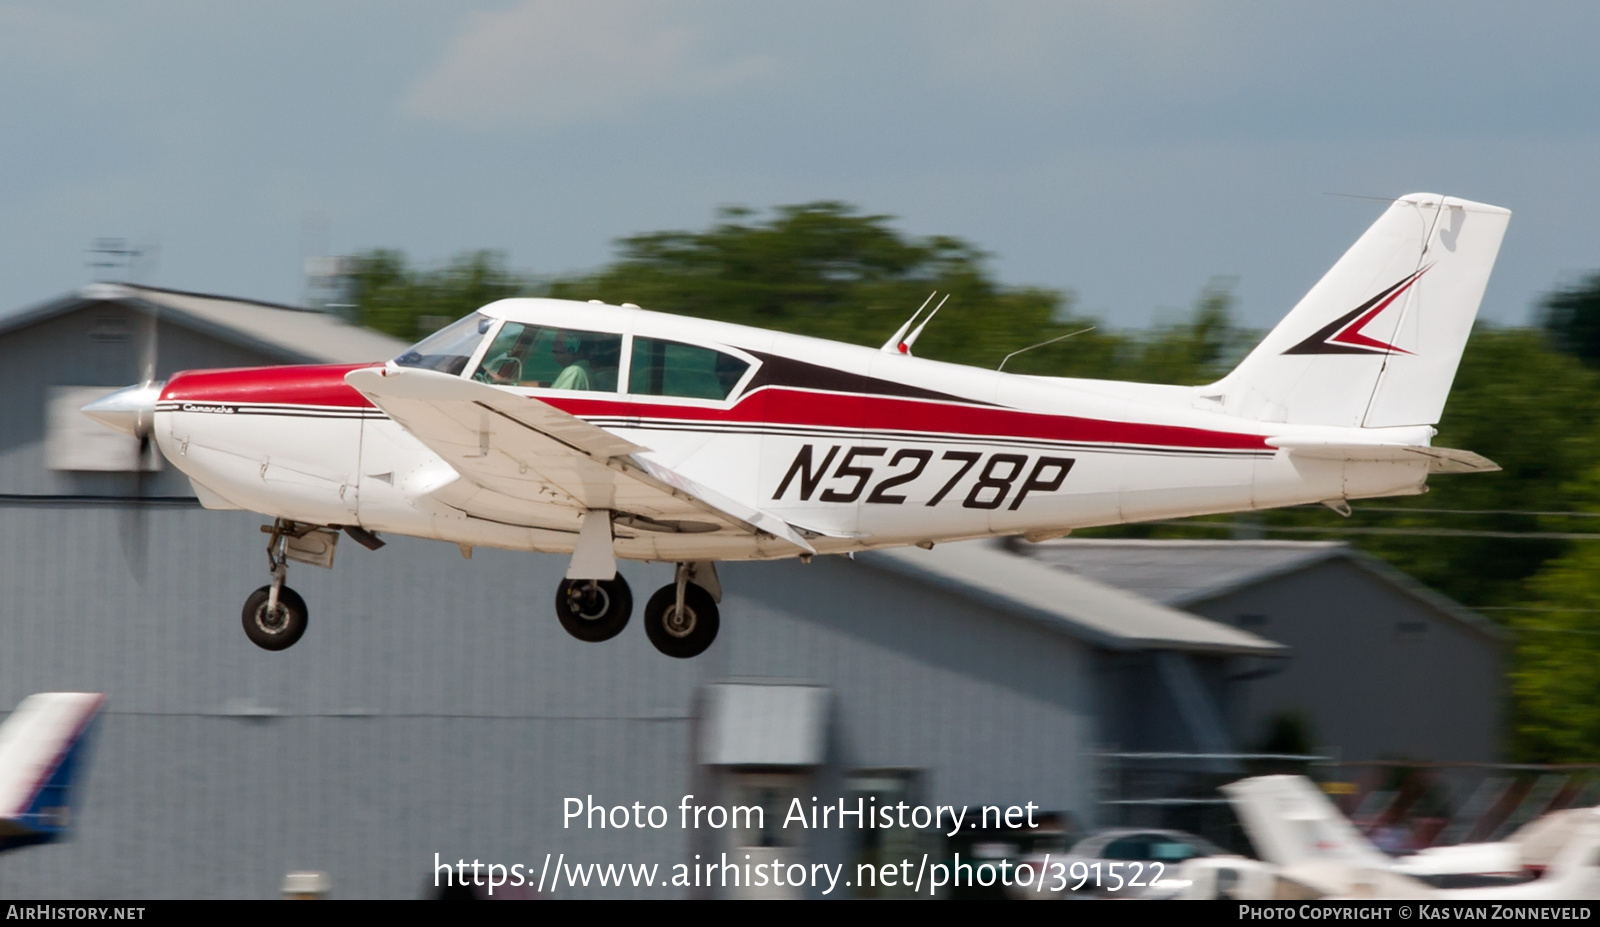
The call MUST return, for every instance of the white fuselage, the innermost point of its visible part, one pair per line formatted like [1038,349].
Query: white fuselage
[856,447]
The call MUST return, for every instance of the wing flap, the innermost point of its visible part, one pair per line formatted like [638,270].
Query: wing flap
[712,502]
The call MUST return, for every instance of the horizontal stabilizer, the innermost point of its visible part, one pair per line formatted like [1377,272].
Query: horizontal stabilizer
[41,754]
[1440,459]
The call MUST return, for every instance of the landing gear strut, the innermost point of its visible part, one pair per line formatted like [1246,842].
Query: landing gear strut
[274,616]
[681,618]
[594,609]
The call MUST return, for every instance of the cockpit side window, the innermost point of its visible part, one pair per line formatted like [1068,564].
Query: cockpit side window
[448,349]
[668,368]
[543,356]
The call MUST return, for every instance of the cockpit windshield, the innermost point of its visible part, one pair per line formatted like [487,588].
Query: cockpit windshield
[448,349]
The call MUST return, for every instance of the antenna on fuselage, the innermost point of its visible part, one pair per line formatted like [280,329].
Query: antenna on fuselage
[901,342]
[1040,345]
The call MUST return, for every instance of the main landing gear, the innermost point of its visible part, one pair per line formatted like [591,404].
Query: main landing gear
[680,619]
[594,609]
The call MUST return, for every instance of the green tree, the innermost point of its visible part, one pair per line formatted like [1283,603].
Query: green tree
[1526,399]
[391,296]
[1197,350]
[1531,410]
[1555,683]
[824,270]
[828,270]
[1572,318]
[1535,413]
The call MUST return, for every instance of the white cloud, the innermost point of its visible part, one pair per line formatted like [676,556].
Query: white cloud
[550,62]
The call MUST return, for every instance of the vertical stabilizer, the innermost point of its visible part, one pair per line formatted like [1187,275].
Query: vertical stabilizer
[1290,822]
[1376,342]
[42,747]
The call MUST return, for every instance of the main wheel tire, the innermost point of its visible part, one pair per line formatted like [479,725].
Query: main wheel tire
[277,631]
[596,614]
[686,635]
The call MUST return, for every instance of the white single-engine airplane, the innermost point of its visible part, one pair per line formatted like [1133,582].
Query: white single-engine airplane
[606,431]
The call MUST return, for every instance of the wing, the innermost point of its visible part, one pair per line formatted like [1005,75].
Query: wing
[518,447]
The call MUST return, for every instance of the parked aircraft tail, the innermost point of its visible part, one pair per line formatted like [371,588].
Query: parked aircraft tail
[1291,822]
[1376,342]
[1573,871]
[41,754]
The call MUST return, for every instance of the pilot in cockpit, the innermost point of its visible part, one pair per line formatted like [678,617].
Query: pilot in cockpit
[572,351]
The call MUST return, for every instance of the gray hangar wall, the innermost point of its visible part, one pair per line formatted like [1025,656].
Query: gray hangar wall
[435,705]
[1373,652]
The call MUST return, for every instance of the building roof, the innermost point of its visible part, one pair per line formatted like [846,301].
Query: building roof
[294,334]
[1178,573]
[1183,573]
[987,573]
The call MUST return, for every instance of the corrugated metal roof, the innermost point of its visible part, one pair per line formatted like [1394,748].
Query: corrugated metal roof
[1074,604]
[296,335]
[1179,572]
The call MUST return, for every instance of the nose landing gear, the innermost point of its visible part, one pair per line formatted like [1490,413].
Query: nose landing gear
[274,616]
[274,625]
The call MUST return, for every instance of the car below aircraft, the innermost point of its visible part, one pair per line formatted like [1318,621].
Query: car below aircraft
[603,431]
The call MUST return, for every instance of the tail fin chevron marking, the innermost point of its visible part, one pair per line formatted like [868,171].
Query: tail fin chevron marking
[1344,336]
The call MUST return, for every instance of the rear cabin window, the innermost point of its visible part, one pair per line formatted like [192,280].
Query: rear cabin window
[552,358]
[668,368]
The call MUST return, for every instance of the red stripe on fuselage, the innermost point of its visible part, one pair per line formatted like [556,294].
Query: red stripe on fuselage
[325,386]
[307,385]
[777,406]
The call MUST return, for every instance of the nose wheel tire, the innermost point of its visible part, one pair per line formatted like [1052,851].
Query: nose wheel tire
[279,629]
[594,610]
[681,634]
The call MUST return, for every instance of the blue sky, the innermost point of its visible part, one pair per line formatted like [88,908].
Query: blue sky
[1127,152]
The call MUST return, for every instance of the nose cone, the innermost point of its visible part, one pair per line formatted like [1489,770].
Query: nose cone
[131,410]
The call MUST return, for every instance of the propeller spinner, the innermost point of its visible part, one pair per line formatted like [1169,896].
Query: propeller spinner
[130,410]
